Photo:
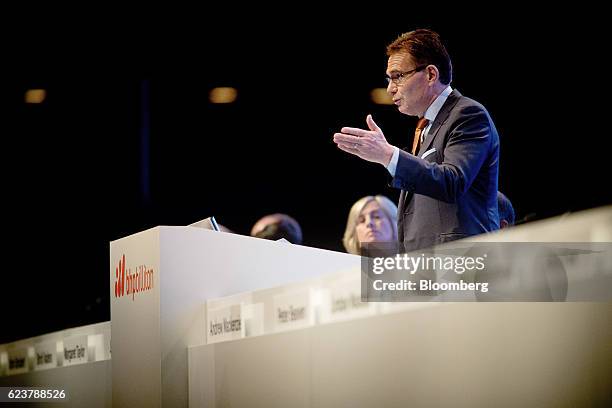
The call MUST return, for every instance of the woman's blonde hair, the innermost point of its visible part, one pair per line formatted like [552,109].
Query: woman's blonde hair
[351,244]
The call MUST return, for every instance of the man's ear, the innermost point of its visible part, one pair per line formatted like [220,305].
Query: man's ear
[432,73]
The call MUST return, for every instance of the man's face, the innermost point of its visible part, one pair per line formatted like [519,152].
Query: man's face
[409,90]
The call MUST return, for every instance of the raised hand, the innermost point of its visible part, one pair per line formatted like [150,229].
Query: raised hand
[370,145]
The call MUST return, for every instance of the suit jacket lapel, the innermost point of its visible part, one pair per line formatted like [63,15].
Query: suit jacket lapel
[404,195]
[449,104]
[402,200]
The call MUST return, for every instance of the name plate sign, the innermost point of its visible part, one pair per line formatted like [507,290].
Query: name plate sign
[17,361]
[225,323]
[45,355]
[293,310]
[75,350]
[342,301]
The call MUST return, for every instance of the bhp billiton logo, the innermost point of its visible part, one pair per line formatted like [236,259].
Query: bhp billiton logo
[128,283]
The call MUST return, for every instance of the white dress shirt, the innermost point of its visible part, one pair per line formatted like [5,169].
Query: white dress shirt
[430,115]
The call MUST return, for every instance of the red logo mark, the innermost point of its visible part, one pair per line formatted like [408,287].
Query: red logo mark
[120,278]
[132,283]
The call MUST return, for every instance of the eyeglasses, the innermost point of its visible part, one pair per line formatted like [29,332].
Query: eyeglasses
[398,77]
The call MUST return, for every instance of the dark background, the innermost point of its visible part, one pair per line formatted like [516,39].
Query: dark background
[76,175]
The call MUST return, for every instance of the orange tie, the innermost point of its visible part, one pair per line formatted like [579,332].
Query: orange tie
[421,124]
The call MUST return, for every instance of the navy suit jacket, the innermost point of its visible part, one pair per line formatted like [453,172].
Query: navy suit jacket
[449,189]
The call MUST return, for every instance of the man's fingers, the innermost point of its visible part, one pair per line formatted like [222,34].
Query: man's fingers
[347,148]
[371,124]
[355,131]
[349,144]
[344,138]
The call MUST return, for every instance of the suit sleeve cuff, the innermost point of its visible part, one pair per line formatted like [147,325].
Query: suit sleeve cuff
[393,163]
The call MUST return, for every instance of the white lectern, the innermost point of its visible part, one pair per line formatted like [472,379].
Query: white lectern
[159,282]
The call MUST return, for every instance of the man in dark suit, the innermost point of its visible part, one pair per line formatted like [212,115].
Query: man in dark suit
[449,180]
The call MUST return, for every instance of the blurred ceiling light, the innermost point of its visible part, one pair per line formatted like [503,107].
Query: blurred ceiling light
[381,97]
[223,95]
[35,95]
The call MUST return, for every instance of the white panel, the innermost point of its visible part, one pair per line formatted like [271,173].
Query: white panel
[135,322]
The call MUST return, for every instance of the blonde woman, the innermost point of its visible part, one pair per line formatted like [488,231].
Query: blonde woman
[371,219]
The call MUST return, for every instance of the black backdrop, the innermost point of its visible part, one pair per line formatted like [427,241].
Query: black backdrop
[73,165]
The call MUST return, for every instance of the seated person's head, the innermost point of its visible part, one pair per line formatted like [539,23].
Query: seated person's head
[371,219]
[505,209]
[277,226]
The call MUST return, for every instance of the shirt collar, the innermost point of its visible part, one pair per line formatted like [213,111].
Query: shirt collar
[434,108]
